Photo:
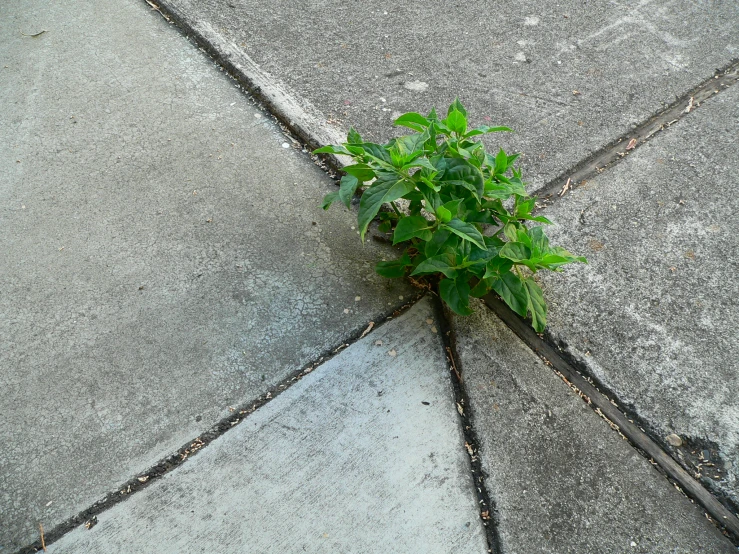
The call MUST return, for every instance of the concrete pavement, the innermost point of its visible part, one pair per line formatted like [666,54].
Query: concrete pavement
[654,315]
[363,455]
[164,256]
[166,263]
[569,77]
[561,478]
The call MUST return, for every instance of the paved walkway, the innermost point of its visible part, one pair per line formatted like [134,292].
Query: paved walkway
[170,289]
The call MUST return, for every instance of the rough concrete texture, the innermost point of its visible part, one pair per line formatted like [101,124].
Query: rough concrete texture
[363,455]
[568,78]
[163,255]
[561,479]
[655,314]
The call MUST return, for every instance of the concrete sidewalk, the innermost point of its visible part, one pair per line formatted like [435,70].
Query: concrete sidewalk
[165,257]
[365,454]
[167,266]
[569,78]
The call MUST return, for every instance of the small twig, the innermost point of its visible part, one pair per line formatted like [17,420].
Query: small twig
[34,35]
[155,7]
[43,541]
[367,330]
[454,366]
[565,188]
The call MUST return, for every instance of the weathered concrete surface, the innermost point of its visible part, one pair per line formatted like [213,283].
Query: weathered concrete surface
[160,259]
[655,314]
[569,79]
[561,479]
[363,455]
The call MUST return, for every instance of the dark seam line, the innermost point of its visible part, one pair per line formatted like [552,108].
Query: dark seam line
[620,148]
[488,512]
[604,406]
[194,446]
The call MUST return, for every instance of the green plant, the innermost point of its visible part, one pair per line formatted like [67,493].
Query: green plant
[465,215]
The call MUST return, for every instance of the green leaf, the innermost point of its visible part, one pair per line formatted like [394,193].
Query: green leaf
[515,251]
[440,241]
[484,129]
[376,151]
[511,231]
[395,268]
[558,257]
[353,137]
[453,208]
[480,217]
[476,254]
[496,267]
[375,196]
[494,242]
[420,162]
[407,148]
[410,227]
[456,293]
[539,241]
[536,305]
[466,231]
[363,172]
[456,106]
[413,121]
[430,184]
[461,172]
[332,149]
[432,198]
[502,188]
[457,122]
[510,288]
[437,264]
[444,215]
[538,219]
[501,163]
[329,199]
[481,288]
[349,185]
[523,209]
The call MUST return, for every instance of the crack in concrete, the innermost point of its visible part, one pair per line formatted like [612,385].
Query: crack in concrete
[88,516]
[620,148]
[488,511]
[619,416]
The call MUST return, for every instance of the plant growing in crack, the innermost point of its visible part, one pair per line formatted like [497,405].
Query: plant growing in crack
[466,219]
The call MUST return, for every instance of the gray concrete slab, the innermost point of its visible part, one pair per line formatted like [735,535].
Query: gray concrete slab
[568,77]
[163,255]
[654,316]
[561,479]
[363,455]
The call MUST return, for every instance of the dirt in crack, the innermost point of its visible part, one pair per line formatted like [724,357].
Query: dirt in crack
[488,512]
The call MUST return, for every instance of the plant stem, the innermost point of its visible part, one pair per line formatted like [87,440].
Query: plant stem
[395,208]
